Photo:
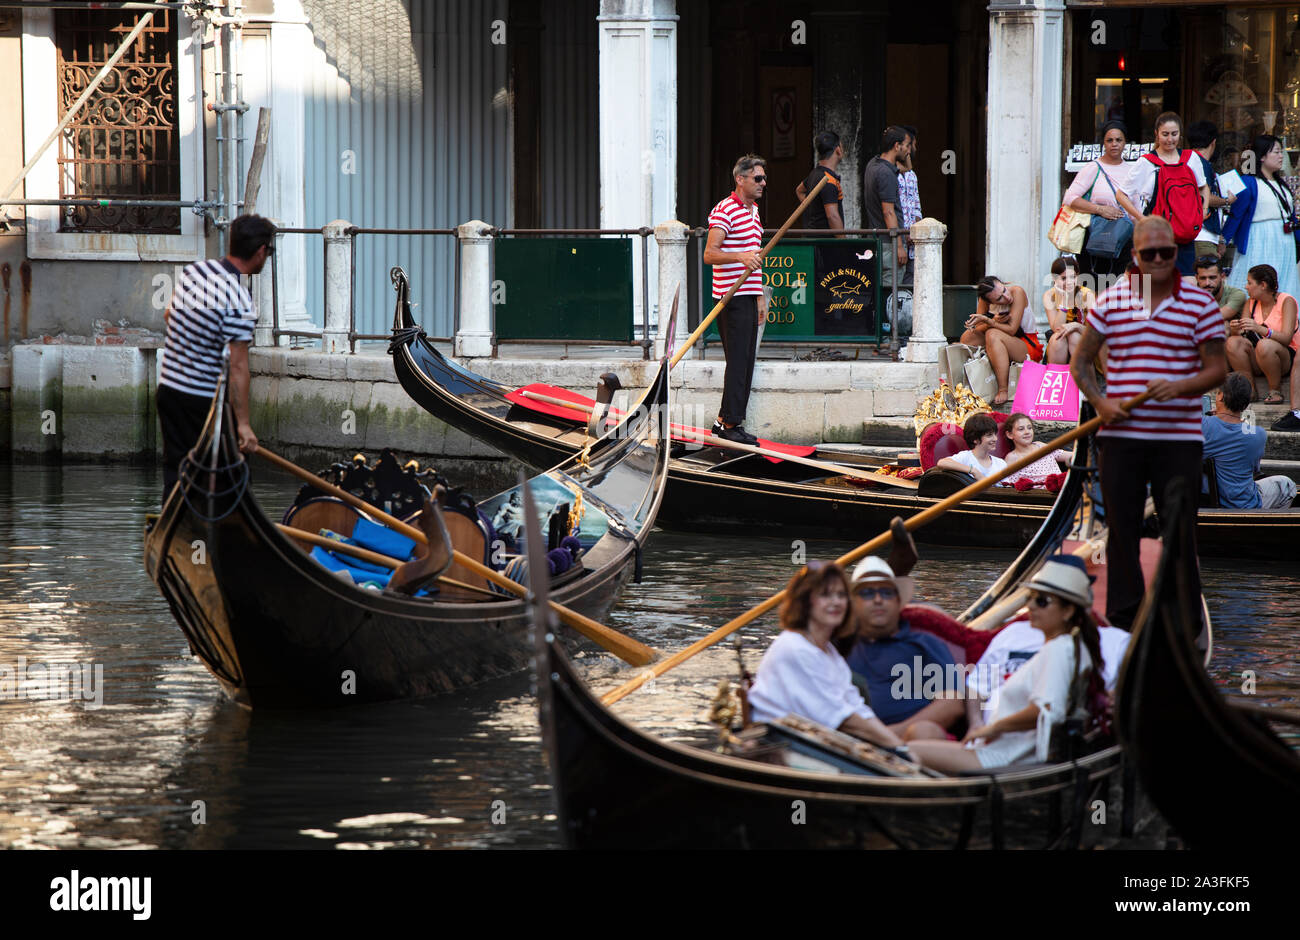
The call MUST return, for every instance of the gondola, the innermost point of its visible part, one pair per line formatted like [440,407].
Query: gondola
[617,786]
[1245,789]
[721,491]
[279,630]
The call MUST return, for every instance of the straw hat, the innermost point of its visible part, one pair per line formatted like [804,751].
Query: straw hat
[1066,577]
[873,568]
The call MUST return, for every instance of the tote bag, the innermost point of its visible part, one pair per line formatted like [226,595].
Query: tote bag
[1069,229]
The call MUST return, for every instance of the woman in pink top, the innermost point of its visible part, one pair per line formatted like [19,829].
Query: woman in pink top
[1101,188]
[1264,341]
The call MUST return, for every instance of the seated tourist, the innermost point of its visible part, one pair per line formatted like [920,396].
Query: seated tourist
[899,665]
[981,435]
[1060,679]
[1012,647]
[1067,306]
[1209,277]
[1003,324]
[1237,450]
[802,673]
[1019,430]
[1264,340]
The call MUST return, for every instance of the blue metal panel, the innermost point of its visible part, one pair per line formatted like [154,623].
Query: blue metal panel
[417,92]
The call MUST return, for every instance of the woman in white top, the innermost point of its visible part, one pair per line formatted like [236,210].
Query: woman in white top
[802,673]
[1261,223]
[1003,323]
[1065,675]
[981,435]
[1169,132]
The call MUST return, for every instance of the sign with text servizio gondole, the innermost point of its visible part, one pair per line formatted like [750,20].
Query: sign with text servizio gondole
[823,290]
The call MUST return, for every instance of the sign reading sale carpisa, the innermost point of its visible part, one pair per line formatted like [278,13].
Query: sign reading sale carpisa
[1046,393]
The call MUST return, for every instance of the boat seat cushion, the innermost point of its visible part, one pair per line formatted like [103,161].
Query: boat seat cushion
[940,440]
[382,539]
[961,639]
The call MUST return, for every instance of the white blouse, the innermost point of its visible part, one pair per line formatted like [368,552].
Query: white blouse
[796,676]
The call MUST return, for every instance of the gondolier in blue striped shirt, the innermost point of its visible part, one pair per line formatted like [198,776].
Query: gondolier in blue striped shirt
[210,309]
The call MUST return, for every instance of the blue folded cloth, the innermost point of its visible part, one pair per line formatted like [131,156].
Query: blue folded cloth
[381,539]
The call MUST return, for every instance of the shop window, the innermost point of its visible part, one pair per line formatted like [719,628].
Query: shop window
[123,142]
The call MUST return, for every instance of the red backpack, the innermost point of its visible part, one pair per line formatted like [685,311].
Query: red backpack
[1177,197]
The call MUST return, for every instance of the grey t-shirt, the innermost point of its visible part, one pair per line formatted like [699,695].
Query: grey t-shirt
[879,185]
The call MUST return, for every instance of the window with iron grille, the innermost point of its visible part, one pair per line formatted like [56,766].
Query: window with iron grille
[123,142]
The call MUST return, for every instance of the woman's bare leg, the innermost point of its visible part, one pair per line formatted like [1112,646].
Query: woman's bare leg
[1059,350]
[950,757]
[1270,355]
[1002,349]
[1239,359]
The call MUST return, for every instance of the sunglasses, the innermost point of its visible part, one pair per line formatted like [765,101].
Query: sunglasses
[1042,600]
[870,593]
[1165,252]
[760,179]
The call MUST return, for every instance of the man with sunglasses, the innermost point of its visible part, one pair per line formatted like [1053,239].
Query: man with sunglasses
[894,661]
[735,236]
[1165,335]
[210,309]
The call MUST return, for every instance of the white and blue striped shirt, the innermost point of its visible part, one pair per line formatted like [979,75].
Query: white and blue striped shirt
[210,308]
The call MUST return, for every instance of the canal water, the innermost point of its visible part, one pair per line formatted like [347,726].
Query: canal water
[145,751]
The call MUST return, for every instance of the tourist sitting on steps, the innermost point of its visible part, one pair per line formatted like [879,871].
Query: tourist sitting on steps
[802,673]
[1003,324]
[1237,450]
[981,435]
[1060,679]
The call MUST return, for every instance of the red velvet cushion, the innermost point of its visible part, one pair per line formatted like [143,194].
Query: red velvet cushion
[940,440]
[953,631]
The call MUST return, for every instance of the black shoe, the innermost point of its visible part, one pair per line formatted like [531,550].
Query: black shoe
[1288,422]
[737,434]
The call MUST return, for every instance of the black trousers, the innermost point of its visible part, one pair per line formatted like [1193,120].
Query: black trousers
[738,324]
[181,416]
[1127,466]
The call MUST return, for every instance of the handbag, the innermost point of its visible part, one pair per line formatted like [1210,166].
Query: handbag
[1069,230]
[980,378]
[952,362]
[1108,237]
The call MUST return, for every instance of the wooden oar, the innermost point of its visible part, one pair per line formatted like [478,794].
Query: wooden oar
[375,558]
[681,431]
[911,524]
[624,647]
[762,253]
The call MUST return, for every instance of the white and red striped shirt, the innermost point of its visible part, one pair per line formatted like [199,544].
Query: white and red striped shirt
[744,232]
[1160,344]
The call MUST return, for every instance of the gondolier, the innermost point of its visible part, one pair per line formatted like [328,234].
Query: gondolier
[210,309]
[1166,336]
[735,236]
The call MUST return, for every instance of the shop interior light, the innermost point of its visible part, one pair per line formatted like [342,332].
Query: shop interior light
[1121,63]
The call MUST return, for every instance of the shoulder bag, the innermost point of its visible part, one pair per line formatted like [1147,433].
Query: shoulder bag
[1070,227]
[1109,236]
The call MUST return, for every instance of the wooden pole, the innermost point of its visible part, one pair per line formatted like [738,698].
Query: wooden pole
[624,647]
[762,253]
[913,523]
[253,182]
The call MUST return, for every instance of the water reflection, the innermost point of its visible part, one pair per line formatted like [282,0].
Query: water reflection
[166,749]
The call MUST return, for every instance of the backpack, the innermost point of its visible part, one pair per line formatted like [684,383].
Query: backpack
[1177,197]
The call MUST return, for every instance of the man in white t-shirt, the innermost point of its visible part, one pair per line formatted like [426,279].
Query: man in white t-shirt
[1014,645]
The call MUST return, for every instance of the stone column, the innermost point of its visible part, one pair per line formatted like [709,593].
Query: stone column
[474,338]
[927,292]
[338,287]
[638,121]
[1026,52]
[671,238]
[850,45]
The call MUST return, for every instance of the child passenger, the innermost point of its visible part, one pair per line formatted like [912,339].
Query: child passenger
[981,436]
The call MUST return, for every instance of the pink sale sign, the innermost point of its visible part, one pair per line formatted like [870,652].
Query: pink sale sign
[1046,393]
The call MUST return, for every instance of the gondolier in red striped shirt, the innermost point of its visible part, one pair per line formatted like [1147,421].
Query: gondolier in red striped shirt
[735,236]
[1162,334]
